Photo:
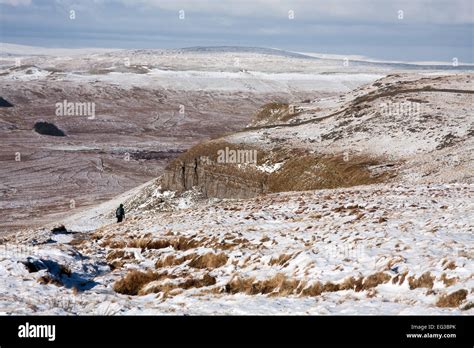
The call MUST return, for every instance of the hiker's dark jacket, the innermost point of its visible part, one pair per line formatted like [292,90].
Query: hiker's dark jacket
[120,212]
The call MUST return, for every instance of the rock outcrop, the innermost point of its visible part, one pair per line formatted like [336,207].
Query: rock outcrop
[276,170]
[184,175]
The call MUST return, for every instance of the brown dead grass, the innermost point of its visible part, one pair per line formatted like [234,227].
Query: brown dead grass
[394,261]
[273,113]
[315,289]
[119,254]
[426,280]
[468,306]
[399,278]
[183,243]
[172,260]
[206,280]
[453,299]
[209,260]
[280,285]
[280,260]
[180,243]
[371,293]
[116,258]
[310,172]
[239,285]
[47,279]
[375,279]
[277,285]
[134,280]
[154,287]
[352,283]
[448,281]
[147,243]
[449,265]
[330,287]
[403,277]
[169,289]
[113,243]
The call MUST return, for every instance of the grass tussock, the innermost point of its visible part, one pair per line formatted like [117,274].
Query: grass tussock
[453,299]
[206,280]
[280,260]
[181,243]
[209,260]
[280,285]
[313,290]
[148,243]
[448,281]
[172,260]
[468,306]
[240,285]
[137,282]
[134,280]
[172,288]
[426,280]
[352,283]
[113,243]
[399,278]
[449,265]
[117,254]
[375,279]
[116,258]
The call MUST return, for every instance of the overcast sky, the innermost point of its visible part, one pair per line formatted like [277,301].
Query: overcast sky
[426,29]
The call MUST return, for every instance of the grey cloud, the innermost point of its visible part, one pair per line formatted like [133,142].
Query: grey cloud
[430,30]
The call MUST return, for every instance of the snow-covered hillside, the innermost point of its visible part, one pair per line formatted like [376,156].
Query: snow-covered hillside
[385,249]
[360,201]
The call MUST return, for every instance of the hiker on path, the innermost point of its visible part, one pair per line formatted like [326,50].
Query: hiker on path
[120,213]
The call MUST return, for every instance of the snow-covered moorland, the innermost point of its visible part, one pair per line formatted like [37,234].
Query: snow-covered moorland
[381,249]
[398,241]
